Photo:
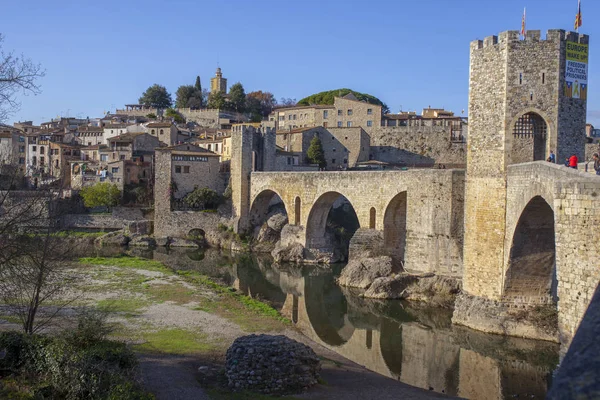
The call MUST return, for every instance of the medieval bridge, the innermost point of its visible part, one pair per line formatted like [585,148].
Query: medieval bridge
[551,215]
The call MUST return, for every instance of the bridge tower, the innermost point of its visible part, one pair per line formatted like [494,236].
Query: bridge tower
[252,149]
[523,102]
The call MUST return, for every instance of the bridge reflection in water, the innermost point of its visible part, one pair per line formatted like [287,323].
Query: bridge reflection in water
[410,342]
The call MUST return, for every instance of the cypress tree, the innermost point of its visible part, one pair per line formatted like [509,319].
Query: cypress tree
[315,152]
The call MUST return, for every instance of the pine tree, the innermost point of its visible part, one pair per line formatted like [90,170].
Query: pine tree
[315,152]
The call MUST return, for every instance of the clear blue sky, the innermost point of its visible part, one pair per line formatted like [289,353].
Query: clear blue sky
[100,55]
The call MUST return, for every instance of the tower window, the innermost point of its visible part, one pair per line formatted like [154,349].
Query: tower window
[520,78]
[543,78]
[531,96]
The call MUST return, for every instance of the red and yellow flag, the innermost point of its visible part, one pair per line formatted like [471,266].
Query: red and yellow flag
[523,23]
[578,20]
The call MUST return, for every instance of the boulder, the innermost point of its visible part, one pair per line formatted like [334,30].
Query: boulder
[437,290]
[117,238]
[362,273]
[277,221]
[387,288]
[292,253]
[178,242]
[163,241]
[142,241]
[273,365]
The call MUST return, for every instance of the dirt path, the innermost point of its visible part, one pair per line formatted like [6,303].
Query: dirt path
[177,326]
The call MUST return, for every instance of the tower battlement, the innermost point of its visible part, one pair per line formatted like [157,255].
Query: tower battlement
[532,36]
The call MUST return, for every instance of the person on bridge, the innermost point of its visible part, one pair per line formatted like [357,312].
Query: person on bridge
[573,161]
[596,163]
[552,157]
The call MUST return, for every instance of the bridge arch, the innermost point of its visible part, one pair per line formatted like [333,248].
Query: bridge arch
[531,271]
[394,227]
[262,204]
[529,136]
[316,226]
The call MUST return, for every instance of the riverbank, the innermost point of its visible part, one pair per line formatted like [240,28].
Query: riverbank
[178,322]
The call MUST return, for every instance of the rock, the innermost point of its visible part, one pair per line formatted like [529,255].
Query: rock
[162,241]
[387,288]
[362,273]
[113,238]
[267,234]
[142,241]
[292,253]
[178,242]
[274,365]
[434,289]
[277,221]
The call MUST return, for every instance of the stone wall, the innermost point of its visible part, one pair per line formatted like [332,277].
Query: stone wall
[434,210]
[590,149]
[205,118]
[417,146]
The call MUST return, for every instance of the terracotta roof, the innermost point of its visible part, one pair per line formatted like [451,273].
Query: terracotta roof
[159,125]
[91,129]
[317,106]
[5,135]
[188,148]
[116,126]
[126,137]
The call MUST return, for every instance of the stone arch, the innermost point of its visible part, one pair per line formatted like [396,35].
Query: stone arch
[528,137]
[262,204]
[531,274]
[297,210]
[372,218]
[196,233]
[316,234]
[394,227]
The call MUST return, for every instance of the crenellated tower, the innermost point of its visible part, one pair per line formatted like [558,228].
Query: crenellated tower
[526,97]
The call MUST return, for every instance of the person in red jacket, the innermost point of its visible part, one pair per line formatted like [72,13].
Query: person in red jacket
[573,161]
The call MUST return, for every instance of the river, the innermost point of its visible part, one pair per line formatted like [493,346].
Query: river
[410,342]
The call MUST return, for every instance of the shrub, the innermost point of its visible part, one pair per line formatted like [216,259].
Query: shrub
[202,198]
[101,194]
[151,115]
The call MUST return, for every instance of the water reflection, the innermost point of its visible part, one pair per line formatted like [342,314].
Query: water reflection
[413,343]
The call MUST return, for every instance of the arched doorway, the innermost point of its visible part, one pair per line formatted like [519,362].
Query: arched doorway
[372,218]
[394,228]
[331,223]
[267,209]
[529,139]
[531,273]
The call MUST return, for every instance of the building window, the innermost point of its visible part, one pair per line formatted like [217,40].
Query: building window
[325,114]
[349,124]
[520,78]
[34,160]
[152,132]
[177,169]
[89,143]
[340,112]
[369,111]
[115,170]
[294,117]
[324,124]
[122,157]
[369,123]
[333,160]
[350,112]
[290,117]
[42,160]
[21,149]
[21,160]
[112,131]
[333,149]
[162,132]
[340,124]
[345,161]
[186,169]
[41,149]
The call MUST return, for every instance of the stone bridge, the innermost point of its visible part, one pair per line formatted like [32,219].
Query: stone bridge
[419,212]
[549,254]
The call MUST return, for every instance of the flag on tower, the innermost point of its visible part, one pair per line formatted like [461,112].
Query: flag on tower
[523,23]
[578,16]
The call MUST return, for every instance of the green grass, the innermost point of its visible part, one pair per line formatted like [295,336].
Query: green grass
[127,262]
[130,306]
[170,292]
[174,341]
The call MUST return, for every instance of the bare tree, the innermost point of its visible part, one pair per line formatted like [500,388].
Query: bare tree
[17,74]
[34,259]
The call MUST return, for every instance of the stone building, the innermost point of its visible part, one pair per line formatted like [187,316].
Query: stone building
[112,130]
[12,146]
[165,132]
[345,112]
[343,147]
[184,167]
[60,156]
[91,135]
[218,83]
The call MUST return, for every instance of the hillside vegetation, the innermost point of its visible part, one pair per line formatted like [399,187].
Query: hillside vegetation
[327,97]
